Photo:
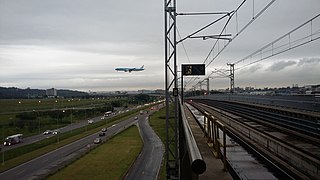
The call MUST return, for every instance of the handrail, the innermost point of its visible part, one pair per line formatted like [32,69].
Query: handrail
[198,165]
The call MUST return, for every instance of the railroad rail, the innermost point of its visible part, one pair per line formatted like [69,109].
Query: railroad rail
[293,149]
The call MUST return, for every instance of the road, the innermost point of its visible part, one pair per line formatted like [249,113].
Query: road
[39,167]
[147,165]
[35,138]
[42,166]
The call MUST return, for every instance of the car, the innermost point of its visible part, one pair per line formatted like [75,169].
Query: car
[47,132]
[135,118]
[90,121]
[104,130]
[97,140]
[102,134]
[56,131]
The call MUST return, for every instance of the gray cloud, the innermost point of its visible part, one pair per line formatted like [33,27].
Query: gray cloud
[278,66]
[255,68]
[312,61]
[78,43]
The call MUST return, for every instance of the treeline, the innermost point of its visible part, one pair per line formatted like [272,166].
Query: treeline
[16,93]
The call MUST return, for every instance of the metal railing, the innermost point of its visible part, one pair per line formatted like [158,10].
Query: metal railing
[197,163]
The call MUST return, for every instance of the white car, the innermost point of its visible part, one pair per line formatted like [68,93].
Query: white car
[97,140]
[47,132]
[90,121]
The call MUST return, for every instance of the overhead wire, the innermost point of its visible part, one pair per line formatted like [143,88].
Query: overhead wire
[238,33]
[184,48]
[290,45]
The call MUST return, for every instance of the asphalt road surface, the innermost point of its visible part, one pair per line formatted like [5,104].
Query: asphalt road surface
[147,165]
[35,138]
[39,167]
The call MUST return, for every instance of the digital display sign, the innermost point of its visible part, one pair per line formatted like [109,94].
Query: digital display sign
[193,69]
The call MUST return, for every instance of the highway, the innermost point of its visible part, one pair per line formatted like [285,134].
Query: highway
[35,138]
[40,167]
[49,163]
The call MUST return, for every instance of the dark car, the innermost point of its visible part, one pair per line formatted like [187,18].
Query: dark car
[102,134]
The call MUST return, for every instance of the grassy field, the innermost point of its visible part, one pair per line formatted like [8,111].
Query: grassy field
[33,116]
[18,105]
[110,160]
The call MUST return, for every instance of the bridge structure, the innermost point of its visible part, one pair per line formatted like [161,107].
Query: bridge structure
[179,140]
[268,132]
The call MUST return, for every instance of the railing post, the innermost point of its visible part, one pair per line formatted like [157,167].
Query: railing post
[206,125]
[224,149]
[216,134]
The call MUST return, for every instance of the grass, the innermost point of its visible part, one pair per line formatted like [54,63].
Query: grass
[18,105]
[111,160]
[158,123]
[10,108]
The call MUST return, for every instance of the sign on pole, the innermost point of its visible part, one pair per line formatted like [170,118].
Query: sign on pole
[193,69]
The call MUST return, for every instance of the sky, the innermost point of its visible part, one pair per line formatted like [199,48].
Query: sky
[77,44]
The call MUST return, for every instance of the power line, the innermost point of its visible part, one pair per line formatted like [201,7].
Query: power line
[272,49]
[255,17]
[238,33]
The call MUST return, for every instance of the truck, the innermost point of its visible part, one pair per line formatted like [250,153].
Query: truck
[13,139]
[107,114]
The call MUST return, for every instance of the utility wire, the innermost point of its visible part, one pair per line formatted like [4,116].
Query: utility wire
[184,48]
[245,27]
[238,33]
[288,46]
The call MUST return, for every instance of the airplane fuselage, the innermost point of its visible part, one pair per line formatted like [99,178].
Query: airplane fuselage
[130,69]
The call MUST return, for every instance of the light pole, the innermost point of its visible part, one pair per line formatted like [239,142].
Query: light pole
[58,131]
[71,121]
[39,117]
[3,149]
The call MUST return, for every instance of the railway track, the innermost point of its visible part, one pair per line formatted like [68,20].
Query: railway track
[292,143]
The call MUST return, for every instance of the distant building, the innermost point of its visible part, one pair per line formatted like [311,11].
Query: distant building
[160,91]
[51,92]
[144,91]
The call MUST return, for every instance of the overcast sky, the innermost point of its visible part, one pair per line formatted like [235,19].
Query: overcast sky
[77,44]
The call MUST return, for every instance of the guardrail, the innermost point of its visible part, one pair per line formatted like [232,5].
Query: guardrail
[197,163]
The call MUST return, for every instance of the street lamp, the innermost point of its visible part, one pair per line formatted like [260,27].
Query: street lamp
[71,120]
[3,149]
[39,117]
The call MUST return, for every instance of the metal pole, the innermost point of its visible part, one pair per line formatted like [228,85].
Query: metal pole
[208,88]
[224,149]
[182,88]
[172,156]
[231,77]
[3,146]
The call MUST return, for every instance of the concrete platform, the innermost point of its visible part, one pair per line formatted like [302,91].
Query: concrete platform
[214,166]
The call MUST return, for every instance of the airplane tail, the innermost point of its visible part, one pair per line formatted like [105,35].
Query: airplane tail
[142,66]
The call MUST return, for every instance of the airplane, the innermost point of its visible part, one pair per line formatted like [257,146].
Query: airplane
[130,69]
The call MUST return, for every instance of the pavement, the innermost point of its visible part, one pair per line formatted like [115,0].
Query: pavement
[42,166]
[147,165]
